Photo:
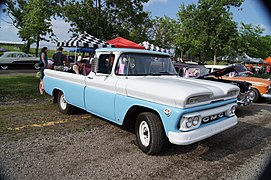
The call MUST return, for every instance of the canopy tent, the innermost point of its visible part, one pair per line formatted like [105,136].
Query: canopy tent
[121,42]
[268,60]
[242,58]
[84,40]
[81,49]
[152,47]
[248,59]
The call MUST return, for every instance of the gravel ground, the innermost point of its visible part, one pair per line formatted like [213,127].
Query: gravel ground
[101,150]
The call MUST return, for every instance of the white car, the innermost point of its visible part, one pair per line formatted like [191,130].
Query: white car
[18,59]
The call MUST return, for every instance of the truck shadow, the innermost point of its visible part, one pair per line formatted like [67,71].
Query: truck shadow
[2,176]
[242,137]
[252,109]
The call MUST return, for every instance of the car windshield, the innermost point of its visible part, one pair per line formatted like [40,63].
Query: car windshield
[133,64]
[194,72]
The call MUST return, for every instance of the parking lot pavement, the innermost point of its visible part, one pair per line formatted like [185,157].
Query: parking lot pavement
[83,146]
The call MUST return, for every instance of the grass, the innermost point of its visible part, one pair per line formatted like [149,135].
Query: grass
[19,88]
[24,112]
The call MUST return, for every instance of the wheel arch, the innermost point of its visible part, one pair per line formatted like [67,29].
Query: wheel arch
[257,93]
[134,111]
[55,94]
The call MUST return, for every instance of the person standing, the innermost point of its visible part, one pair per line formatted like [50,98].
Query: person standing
[58,59]
[267,70]
[43,61]
[43,65]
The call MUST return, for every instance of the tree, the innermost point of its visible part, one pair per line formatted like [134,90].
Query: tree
[207,28]
[37,22]
[16,10]
[252,42]
[106,19]
[163,31]
[32,18]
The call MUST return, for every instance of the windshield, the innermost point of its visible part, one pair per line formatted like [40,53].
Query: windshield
[132,64]
[193,72]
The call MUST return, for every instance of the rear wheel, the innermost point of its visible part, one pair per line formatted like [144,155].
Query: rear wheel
[4,67]
[254,95]
[149,133]
[63,106]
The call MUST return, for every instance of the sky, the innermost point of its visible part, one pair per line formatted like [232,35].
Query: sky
[253,12]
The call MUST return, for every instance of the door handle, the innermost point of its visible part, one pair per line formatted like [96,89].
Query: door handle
[90,78]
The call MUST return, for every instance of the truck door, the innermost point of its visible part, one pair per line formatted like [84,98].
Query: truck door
[100,89]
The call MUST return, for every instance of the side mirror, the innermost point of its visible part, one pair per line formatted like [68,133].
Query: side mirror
[94,65]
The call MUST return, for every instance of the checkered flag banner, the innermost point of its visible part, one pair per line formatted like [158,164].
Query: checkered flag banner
[84,40]
[152,47]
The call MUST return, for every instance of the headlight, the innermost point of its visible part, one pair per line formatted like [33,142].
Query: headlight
[189,122]
[195,120]
[231,111]
[232,93]
[197,99]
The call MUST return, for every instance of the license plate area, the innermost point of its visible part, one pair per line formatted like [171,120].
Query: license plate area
[211,118]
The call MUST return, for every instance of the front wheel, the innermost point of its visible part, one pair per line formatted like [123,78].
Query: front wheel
[63,106]
[254,95]
[149,133]
[4,67]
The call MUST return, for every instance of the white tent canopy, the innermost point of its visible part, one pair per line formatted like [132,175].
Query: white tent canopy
[84,40]
[152,47]
[248,59]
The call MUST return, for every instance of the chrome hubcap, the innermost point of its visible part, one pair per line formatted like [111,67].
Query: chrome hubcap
[63,102]
[144,133]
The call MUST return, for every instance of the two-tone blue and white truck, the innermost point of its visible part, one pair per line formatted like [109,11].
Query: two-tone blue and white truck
[141,87]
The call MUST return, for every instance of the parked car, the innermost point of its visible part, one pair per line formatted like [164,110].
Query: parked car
[245,96]
[261,88]
[9,59]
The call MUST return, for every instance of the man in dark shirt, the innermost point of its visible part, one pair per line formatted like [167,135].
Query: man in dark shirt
[58,59]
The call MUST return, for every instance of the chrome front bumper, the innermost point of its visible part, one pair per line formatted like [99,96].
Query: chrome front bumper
[186,138]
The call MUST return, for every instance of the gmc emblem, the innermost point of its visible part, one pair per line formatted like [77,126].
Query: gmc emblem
[212,117]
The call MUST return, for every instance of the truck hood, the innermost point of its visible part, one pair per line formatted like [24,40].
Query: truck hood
[175,91]
[222,72]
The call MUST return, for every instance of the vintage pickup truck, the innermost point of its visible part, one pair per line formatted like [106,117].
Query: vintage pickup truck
[141,88]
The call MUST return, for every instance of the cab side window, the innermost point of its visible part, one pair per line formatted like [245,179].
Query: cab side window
[106,62]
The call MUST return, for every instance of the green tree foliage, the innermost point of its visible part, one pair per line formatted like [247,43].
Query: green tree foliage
[253,42]
[37,22]
[16,10]
[32,18]
[106,19]
[207,28]
[163,31]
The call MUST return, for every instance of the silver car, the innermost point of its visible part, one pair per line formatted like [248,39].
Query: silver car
[18,59]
